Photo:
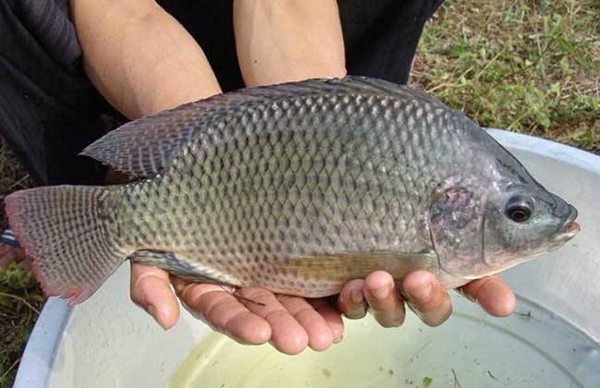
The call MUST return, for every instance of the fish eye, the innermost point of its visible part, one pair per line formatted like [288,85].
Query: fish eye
[519,208]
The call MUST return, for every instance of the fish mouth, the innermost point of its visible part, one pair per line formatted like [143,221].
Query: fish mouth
[570,228]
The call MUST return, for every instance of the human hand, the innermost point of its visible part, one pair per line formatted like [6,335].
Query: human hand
[256,316]
[253,315]
[8,254]
[424,295]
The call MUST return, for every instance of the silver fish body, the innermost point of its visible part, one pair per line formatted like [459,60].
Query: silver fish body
[301,187]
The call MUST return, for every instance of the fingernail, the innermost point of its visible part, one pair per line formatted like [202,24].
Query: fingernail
[466,295]
[356,314]
[381,292]
[356,296]
[421,294]
[151,309]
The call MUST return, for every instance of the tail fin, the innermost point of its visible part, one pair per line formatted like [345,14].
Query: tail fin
[69,238]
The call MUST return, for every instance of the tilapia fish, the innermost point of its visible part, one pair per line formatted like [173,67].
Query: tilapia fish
[297,188]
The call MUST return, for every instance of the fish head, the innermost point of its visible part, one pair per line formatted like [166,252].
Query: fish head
[523,221]
[480,230]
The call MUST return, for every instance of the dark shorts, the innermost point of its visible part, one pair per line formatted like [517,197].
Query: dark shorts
[49,111]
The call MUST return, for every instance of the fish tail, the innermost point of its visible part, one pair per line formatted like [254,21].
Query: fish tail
[68,235]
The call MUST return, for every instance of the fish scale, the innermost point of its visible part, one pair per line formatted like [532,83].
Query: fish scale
[297,188]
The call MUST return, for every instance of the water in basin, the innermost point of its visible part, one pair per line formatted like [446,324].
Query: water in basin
[532,348]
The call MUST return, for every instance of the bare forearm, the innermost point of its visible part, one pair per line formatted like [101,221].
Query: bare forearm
[139,57]
[288,40]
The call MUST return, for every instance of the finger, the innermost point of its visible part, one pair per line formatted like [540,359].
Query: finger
[151,289]
[427,298]
[351,301]
[178,284]
[287,335]
[225,313]
[320,335]
[332,316]
[384,301]
[492,294]
[9,254]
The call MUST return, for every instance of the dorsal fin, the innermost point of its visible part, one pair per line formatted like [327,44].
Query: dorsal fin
[144,146]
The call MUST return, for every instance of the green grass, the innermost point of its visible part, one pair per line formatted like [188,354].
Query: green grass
[20,296]
[12,174]
[20,302]
[528,66]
